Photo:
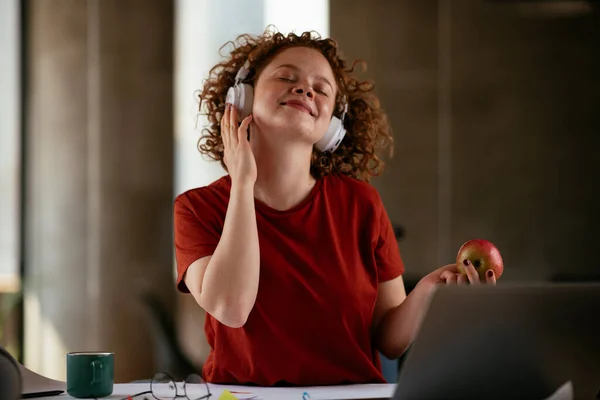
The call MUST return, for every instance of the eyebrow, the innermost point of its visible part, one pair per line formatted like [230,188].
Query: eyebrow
[292,66]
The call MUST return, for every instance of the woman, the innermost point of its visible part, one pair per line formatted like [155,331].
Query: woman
[292,254]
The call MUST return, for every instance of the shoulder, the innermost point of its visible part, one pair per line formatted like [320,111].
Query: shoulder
[214,195]
[352,188]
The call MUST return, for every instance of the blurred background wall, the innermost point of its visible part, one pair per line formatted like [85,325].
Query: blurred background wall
[492,104]
[98,176]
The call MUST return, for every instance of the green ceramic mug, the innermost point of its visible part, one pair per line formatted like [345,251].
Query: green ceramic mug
[90,374]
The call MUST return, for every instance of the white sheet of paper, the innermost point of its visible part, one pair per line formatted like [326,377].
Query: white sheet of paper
[375,391]
[565,392]
[381,391]
[35,383]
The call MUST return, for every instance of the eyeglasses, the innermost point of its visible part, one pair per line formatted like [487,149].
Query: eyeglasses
[164,387]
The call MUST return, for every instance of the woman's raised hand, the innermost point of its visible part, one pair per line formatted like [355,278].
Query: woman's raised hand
[238,158]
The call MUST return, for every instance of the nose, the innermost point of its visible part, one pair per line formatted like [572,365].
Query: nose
[304,91]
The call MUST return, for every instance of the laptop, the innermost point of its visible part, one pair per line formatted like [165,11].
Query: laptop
[505,342]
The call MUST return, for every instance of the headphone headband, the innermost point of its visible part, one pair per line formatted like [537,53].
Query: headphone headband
[242,73]
[345,108]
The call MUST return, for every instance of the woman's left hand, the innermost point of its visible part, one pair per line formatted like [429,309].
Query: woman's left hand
[449,275]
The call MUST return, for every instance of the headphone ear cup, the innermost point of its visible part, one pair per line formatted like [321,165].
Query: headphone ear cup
[333,137]
[230,98]
[246,98]
[241,96]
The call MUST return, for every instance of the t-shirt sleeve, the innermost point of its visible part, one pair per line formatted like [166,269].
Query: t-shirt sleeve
[195,236]
[387,254]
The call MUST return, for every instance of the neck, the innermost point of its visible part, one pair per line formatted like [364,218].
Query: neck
[284,178]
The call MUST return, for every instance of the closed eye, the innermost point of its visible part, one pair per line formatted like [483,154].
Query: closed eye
[285,79]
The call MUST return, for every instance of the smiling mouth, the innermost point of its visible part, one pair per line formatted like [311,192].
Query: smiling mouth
[299,107]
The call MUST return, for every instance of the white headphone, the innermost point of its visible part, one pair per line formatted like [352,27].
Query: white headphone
[241,95]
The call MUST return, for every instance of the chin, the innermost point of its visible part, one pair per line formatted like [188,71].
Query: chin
[284,125]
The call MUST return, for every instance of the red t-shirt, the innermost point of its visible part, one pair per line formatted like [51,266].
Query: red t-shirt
[320,266]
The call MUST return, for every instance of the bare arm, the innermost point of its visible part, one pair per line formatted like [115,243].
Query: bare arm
[398,317]
[225,284]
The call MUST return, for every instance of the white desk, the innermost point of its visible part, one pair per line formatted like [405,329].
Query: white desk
[374,391]
[34,383]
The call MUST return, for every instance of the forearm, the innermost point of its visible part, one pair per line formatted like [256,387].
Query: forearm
[400,325]
[230,282]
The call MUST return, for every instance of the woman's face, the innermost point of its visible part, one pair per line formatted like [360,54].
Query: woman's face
[295,94]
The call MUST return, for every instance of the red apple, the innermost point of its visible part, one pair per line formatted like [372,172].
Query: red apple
[483,255]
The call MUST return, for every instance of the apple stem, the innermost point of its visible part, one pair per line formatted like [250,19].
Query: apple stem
[466,262]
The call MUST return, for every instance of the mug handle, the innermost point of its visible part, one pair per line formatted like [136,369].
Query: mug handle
[96,371]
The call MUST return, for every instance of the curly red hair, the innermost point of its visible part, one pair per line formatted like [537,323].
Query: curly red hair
[367,127]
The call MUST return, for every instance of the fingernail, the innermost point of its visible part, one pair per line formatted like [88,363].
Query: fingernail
[466,262]
[489,273]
